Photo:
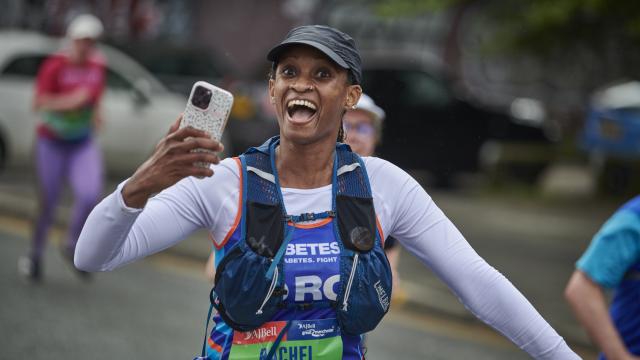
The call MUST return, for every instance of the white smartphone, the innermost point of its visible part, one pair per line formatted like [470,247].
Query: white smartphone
[207,109]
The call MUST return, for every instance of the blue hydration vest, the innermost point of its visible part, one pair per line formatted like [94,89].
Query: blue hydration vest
[290,290]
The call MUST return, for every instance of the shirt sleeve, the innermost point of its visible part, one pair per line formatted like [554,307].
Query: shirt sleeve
[100,85]
[99,62]
[409,214]
[613,250]
[46,80]
[115,234]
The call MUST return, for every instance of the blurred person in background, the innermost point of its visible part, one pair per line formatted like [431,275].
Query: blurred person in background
[363,132]
[612,261]
[68,90]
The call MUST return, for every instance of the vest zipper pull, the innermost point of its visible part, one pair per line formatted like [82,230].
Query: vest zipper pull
[272,287]
[350,282]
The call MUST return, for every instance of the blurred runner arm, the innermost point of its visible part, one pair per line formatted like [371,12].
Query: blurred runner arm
[46,97]
[590,306]
[612,252]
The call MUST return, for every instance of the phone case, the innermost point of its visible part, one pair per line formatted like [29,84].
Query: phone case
[213,119]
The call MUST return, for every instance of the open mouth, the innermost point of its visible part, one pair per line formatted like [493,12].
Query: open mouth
[301,111]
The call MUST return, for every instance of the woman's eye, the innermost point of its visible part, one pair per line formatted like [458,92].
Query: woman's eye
[288,71]
[322,73]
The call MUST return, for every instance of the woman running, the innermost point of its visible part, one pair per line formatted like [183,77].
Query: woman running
[299,224]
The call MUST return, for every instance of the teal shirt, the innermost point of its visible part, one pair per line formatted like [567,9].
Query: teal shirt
[615,248]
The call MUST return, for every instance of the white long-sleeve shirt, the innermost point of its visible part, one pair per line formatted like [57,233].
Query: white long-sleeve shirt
[115,234]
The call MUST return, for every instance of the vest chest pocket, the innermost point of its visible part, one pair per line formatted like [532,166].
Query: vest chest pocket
[265,231]
[242,281]
[242,286]
[367,294]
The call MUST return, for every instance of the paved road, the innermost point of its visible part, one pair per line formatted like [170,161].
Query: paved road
[534,242]
[156,308]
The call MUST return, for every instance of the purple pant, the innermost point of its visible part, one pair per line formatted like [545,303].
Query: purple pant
[79,163]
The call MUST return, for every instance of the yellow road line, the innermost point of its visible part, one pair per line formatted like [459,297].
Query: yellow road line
[23,228]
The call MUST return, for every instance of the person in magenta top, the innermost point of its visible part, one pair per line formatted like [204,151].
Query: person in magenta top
[68,90]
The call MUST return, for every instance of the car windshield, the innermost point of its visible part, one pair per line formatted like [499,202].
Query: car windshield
[23,65]
[124,69]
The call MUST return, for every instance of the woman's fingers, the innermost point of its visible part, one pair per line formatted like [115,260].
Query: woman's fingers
[198,143]
[187,132]
[200,156]
[184,168]
[176,125]
[176,150]
[180,159]
[172,160]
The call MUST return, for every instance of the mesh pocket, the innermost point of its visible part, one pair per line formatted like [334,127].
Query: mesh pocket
[356,222]
[245,297]
[370,294]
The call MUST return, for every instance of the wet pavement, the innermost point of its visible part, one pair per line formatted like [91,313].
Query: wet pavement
[533,240]
[156,309]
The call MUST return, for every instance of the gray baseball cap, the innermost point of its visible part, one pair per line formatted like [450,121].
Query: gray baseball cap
[338,46]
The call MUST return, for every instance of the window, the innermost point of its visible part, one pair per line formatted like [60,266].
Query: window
[117,82]
[24,66]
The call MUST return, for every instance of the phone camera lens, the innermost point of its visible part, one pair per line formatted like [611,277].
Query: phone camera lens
[201,97]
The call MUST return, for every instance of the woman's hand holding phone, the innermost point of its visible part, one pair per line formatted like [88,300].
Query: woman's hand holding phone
[172,160]
[189,149]
[207,109]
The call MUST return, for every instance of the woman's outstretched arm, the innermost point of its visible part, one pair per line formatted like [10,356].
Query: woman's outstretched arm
[414,219]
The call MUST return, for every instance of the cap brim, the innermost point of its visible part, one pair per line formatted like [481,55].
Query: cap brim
[83,35]
[278,49]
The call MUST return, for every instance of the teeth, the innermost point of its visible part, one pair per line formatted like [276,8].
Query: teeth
[306,103]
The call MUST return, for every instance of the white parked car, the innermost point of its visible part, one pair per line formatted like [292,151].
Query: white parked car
[137,108]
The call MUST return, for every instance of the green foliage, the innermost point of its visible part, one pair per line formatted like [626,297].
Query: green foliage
[541,25]
[547,25]
[400,8]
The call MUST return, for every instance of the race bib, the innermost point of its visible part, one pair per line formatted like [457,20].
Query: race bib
[304,340]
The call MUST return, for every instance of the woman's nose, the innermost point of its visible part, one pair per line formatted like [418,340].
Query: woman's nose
[301,86]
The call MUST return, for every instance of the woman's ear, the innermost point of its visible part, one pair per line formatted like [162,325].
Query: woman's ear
[353,95]
[272,94]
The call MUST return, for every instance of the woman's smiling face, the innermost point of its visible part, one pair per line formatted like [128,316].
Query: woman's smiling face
[310,93]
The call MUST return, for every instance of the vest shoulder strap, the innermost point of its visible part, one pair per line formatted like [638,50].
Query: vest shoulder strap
[352,178]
